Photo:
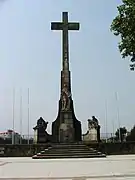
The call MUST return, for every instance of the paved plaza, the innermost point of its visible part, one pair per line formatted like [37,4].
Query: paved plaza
[110,168]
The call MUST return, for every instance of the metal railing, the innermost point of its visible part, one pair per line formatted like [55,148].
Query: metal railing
[29,139]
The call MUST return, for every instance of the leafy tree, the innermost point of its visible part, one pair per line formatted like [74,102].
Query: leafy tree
[120,133]
[123,25]
[131,136]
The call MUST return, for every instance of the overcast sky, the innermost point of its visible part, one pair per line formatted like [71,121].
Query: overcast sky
[30,57]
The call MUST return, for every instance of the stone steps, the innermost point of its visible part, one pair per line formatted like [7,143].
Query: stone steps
[56,151]
[68,151]
[65,156]
[69,146]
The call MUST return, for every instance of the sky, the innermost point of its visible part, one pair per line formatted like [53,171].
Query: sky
[30,57]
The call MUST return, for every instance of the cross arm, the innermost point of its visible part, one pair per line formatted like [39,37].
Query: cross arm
[73,26]
[60,26]
[56,26]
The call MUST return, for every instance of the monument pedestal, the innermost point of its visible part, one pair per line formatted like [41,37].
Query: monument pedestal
[66,128]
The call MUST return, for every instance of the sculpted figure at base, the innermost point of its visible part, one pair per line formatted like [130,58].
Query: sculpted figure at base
[40,134]
[65,95]
[93,133]
[93,123]
[41,124]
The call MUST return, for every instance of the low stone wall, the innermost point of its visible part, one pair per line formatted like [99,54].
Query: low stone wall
[8,150]
[116,148]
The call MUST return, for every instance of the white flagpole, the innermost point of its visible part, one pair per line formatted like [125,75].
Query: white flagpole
[20,116]
[13,117]
[106,116]
[113,129]
[118,116]
[28,117]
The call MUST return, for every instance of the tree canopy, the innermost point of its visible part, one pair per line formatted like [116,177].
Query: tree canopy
[123,25]
[120,133]
[131,136]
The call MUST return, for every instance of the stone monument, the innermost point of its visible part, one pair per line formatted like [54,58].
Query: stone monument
[40,134]
[93,133]
[66,128]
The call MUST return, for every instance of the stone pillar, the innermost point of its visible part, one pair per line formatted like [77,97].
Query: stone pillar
[35,136]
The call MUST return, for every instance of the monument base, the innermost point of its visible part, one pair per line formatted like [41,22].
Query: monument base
[66,128]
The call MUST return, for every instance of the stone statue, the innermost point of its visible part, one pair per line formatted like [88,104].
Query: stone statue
[65,95]
[40,134]
[93,133]
[92,123]
[64,102]
[41,124]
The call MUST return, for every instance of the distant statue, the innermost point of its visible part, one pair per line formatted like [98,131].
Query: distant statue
[65,95]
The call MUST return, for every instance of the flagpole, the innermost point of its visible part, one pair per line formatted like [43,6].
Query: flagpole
[113,130]
[20,116]
[13,117]
[106,128]
[118,115]
[28,116]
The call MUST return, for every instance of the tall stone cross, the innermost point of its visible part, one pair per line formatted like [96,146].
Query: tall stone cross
[66,128]
[65,26]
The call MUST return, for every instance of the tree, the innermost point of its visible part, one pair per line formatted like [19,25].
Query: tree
[131,136]
[120,133]
[123,25]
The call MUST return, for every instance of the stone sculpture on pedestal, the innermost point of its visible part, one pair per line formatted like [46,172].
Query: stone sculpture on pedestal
[93,133]
[40,134]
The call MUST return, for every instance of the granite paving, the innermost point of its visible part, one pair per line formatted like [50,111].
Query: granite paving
[109,168]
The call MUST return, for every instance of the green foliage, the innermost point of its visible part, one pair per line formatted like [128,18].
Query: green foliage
[123,25]
[131,136]
[120,133]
